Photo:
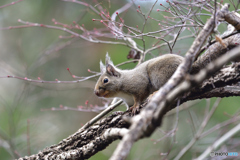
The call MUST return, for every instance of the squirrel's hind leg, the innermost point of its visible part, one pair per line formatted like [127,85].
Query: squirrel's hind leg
[151,95]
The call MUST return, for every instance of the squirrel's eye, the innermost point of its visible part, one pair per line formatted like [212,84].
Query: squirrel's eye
[105,80]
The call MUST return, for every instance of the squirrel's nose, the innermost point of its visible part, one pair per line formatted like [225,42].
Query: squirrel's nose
[96,92]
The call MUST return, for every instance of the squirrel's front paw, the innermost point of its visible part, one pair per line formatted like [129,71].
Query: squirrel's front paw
[134,110]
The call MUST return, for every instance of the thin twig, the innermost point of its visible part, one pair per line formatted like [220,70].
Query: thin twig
[10,4]
[219,142]
[56,81]
[100,115]
[28,137]
[199,132]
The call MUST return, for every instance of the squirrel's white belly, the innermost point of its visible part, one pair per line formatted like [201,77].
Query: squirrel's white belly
[127,98]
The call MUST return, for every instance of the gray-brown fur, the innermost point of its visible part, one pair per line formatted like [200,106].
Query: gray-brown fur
[135,85]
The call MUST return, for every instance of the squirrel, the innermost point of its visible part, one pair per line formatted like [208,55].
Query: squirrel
[135,85]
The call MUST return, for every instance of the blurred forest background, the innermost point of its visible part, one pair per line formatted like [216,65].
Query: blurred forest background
[27,123]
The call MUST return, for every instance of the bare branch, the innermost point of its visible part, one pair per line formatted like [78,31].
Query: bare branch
[56,81]
[10,4]
[199,132]
[220,141]
[99,116]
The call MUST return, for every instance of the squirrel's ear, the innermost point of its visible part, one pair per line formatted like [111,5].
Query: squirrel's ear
[112,71]
[108,60]
[110,68]
[102,67]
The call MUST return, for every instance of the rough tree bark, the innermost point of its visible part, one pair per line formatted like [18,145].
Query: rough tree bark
[85,143]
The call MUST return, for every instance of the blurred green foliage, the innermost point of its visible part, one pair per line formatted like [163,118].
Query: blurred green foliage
[33,52]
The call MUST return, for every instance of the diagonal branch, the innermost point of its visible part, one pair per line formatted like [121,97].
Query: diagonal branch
[151,117]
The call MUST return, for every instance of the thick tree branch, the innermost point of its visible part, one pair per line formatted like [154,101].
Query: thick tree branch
[214,51]
[84,144]
[215,86]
